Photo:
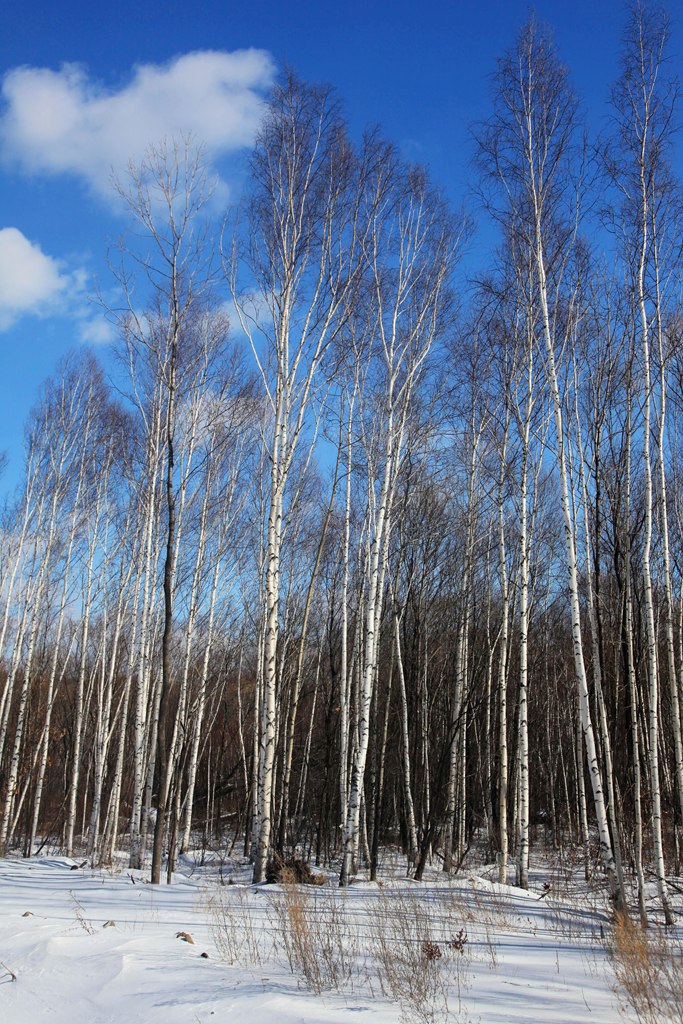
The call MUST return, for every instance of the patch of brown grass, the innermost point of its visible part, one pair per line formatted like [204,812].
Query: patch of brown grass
[648,967]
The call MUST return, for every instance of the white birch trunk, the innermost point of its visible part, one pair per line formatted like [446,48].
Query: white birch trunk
[570,550]
[405,745]
[503,670]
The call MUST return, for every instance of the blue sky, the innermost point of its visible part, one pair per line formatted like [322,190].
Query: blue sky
[85,87]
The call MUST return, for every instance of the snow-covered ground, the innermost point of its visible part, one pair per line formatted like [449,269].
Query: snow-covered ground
[91,947]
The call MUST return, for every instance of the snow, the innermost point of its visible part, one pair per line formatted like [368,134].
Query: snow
[528,957]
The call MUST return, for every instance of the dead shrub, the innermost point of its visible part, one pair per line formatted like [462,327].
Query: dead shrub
[293,870]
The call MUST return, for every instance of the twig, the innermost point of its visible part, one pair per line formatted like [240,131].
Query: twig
[9,971]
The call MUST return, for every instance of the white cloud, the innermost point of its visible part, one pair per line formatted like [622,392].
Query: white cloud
[30,281]
[96,331]
[64,121]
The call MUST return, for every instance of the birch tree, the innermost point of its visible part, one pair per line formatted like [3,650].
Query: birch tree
[58,460]
[291,275]
[168,343]
[409,250]
[530,153]
[644,103]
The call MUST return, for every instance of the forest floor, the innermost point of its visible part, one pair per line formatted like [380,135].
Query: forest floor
[79,946]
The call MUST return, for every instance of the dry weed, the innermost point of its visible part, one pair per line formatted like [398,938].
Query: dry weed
[80,915]
[484,910]
[8,970]
[414,950]
[416,958]
[319,944]
[239,937]
[648,966]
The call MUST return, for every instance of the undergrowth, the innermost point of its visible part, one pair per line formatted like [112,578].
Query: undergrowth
[399,945]
[648,967]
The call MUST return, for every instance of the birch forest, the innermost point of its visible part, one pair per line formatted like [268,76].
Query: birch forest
[369,533]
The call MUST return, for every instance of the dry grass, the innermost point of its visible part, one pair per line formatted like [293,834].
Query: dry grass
[320,944]
[417,959]
[79,912]
[411,949]
[484,912]
[648,967]
[237,933]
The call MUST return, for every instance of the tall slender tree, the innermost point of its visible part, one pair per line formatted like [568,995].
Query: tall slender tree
[530,152]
